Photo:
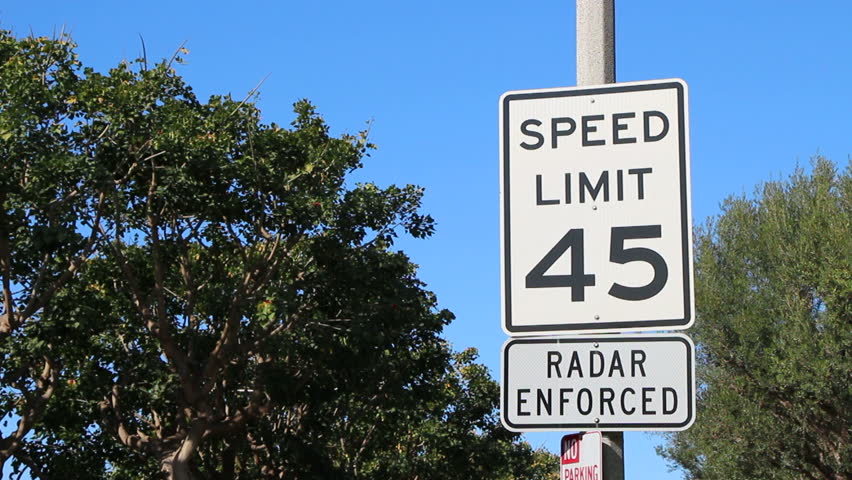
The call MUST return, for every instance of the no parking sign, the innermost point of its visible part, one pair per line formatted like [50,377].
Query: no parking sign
[581,457]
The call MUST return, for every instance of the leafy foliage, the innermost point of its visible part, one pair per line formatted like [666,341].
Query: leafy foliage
[50,193]
[774,296]
[192,293]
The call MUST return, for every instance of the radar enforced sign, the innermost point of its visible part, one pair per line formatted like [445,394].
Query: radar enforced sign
[595,201]
[609,383]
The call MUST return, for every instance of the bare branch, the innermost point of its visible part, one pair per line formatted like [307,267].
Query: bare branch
[249,95]
[153,155]
[144,54]
[174,55]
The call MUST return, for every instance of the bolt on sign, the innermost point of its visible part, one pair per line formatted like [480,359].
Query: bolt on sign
[581,457]
[607,382]
[595,209]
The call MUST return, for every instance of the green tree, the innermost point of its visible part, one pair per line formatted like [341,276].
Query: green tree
[442,423]
[774,333]
[50,195]
[461,435]
[212,298]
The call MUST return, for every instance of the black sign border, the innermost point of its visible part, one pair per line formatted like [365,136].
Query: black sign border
[690,381]
[624,325]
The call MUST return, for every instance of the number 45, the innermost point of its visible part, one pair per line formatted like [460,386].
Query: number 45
[578,280]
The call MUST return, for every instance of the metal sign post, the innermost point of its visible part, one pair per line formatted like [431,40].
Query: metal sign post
[596,65]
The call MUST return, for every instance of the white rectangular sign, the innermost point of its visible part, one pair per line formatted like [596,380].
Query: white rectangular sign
[595,202]
[608,383]
[581,457]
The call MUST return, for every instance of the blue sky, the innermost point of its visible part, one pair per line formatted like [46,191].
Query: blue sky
[769,89]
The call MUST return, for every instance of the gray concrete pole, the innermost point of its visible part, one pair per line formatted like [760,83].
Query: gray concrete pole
[595,66]
[595,42]
[613,455]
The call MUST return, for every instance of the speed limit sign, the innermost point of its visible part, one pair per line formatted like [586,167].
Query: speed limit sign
[595,209]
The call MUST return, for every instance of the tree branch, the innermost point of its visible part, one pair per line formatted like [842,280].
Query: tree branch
[163,330]
[7,320]
[33,407]
[39,300]
[111,414]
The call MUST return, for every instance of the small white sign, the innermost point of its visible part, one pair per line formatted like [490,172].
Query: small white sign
[581,457]
[595,209]
[609,383]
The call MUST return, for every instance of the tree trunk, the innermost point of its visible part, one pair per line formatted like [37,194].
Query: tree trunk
[174,467]
[176,463]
